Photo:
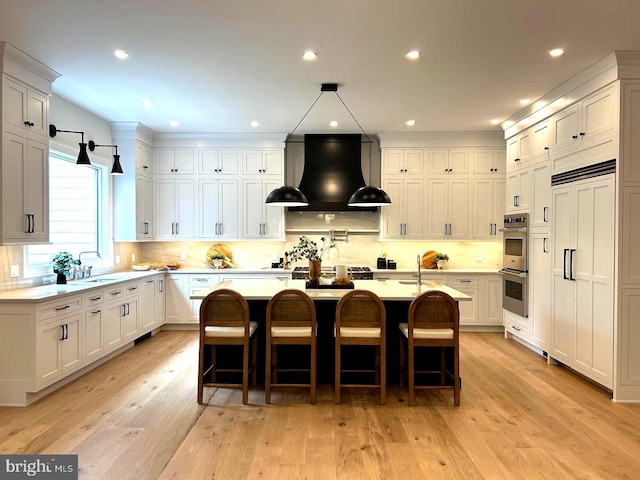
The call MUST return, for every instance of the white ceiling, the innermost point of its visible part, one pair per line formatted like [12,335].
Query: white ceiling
[215,65]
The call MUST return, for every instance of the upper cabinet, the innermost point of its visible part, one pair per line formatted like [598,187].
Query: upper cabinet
[175,161]
[488,160]
[24,151]
[540,141]
[402,161]
[262,162]
[218,161]
[447,161]
[584,133]
[144,158]
[518,151]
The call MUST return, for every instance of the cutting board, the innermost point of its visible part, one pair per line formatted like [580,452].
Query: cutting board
[429,259]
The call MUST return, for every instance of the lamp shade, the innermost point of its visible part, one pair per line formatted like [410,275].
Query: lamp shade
[286,197]
[116,169]
[83,158]
[369,196]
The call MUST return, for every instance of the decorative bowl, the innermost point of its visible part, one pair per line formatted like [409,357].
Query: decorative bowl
[140,268]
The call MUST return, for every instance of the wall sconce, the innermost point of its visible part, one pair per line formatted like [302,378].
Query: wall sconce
[117,168]
[83,158]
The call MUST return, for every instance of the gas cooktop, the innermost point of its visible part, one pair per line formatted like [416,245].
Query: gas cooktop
[357,273]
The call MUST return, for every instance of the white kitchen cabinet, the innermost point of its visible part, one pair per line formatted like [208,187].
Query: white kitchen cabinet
[197,283]
[539,215]
[584,133]
[160,300]
[402,161]
[175,205]
[218,161]
[58,348]
[488,160]
[144,208]
[491,300]
[144,158]
[582,276]
[260,220]
[25,110]
[263,162]
[404,218]
[174,161]
[178,305]
[518,151]
[488,207]
[219,202]
[25,191]
[469,310]
[540,141]
[540,288]
[448,208]
[147,316]
[121,324]
[518,190]
[447,161]
[93,326]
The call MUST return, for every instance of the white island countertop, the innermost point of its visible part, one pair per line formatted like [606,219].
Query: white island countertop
[387,290]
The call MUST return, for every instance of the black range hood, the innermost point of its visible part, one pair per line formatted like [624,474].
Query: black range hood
[332,173]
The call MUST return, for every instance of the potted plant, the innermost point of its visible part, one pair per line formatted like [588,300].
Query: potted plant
[62,262]
[441,259]
[217,259]
[308,249]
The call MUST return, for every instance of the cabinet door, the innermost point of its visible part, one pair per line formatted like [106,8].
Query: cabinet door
[483,214]
[228,161]
[414,161]
[165,208]
[112,327]
[144,207]
[458,200]
[185,204]
[393,216]
[37,108]
[252,201]
[164,161]
[483,161]
[144,158]
[273,161]
[540,289]
[413,208]
[392,161]
[598,115]
[540,194]
[48,360]
[71,346]
[499,207]
[14,104]
[185,161]
[273,216]
[229,201]
[437,160]
[252,162]
[562,288]
[469,309]
[566,126]
[209,208]
[160,300]
[130,319]
[541,138]
[513,153]
[459,160]
[147,317]
[208,161]
[437,206]
[176,301]
[93,335]
[492,295]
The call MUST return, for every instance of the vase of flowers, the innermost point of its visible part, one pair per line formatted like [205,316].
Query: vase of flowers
[309,249]
[441,259]
[62,262]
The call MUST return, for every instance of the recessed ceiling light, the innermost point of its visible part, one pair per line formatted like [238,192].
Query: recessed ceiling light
[495,121]
[255,123]
[413,54]
[121,54]
[333,123]
[174,123]
[310,55]
[525,101]
[556,52]
[411,123]
[147,103]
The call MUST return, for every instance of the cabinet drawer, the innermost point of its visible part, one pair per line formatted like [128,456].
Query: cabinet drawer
[57,307]
[517,329]
[114,293]
[95,297]
[131,288]
[464,281]
[204,280]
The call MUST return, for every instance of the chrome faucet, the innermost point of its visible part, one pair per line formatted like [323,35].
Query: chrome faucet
[419,272]
[85,272]
[89,251]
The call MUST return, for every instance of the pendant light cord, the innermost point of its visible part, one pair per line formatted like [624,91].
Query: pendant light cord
[354,118]
[305,116]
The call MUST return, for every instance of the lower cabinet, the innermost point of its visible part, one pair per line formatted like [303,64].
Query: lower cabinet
[491,299]
[469,311]
[147,316]
[58,348]
[121,325]
[177,298]
[93,327]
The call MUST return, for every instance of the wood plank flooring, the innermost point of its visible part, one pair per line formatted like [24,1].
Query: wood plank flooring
[136,417]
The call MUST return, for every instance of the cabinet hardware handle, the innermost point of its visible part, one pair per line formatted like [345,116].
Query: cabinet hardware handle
[28,220]
[564,265]
[445,229]
[146,228]
[61,333]
[117,292]
[544,245]
[582,134]
[491,229]
[133,289]
[516,200]
[517,329]
[33,222]
[465,281]
[516,159]
[450,229]
[145,166]
[545,214]
[128,309]
[173,228]
[150,281]
[95,312]
[546,148]
[59,309]
[574,136]
[161,286]
[93,299]
[571,277]
[177,229]
[122,311]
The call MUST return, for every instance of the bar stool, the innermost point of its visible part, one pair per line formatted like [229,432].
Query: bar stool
[224,320]
[434,321]
[361,320]
[291,320]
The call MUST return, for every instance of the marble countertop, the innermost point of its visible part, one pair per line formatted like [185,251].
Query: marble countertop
[387,290]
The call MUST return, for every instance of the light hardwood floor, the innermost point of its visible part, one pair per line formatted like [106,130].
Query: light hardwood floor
[136,417]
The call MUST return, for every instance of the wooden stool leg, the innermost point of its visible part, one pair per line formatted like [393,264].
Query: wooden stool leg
[443,364]
[313,373]
[214,365]
[411,360]
[274,372]
[337,374]
[456,377]
[245,372]
[201,370]
[254,360]
[267,374]
[383,374]
[377,365]
[401,363]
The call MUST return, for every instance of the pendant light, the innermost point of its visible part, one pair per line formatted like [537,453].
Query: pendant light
[116,169]
[367,196]
[83,158]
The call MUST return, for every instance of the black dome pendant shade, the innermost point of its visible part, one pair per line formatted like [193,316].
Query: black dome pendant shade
[369,196]
[286,197]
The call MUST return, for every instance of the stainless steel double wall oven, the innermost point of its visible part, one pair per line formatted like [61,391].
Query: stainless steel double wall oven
[515,263]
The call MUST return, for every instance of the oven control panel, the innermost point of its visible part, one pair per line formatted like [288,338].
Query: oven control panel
[516,220]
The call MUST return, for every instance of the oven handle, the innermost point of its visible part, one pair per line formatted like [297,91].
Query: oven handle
[518,229]
[512,273]
[564,265]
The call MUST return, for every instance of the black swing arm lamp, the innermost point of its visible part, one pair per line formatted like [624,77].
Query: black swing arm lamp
[83,157]
[116,169]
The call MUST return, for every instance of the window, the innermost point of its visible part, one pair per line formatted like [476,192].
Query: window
[77,212]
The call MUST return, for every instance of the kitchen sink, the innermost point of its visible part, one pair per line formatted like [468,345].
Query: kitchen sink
[98,280]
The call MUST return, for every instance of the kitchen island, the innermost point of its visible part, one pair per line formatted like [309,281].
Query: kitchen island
[396,296]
